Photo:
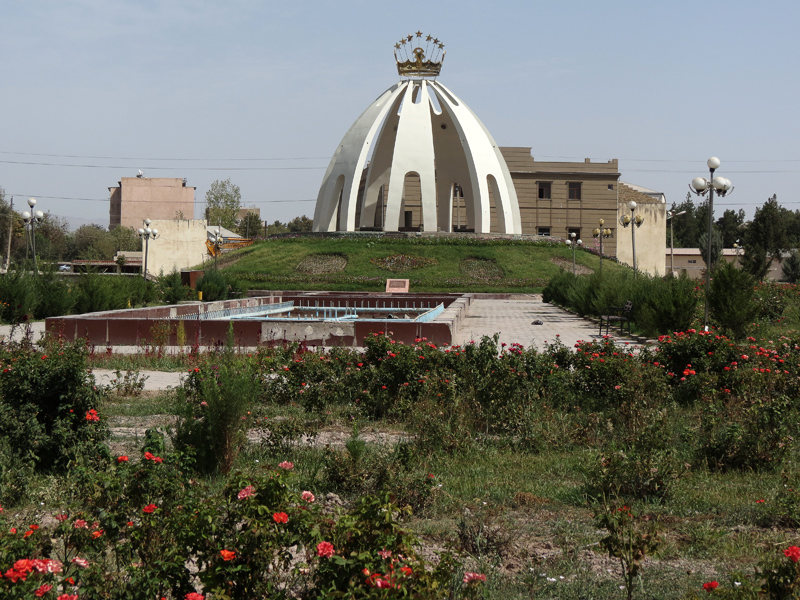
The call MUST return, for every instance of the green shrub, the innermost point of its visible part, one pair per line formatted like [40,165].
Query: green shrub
[95,293]
[747,434]
[730,299]
[632,473]
[171,288]
[48,407]
[213,285]
[212,414]
[664,305]
[54,296]
[17,296]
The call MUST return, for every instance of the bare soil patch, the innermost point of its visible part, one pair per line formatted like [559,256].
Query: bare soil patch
[320,264]
[566,264]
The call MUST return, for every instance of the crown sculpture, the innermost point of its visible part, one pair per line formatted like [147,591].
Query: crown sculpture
[412,63]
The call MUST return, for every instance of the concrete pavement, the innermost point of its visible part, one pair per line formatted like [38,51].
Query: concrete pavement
[514,320]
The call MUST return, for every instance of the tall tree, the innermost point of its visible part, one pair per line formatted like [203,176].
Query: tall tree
[125,239]
[716,247]
[768,234]
[731,227]
[223,201]
[690,226]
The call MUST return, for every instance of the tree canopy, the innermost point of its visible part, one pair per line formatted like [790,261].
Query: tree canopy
[223,201]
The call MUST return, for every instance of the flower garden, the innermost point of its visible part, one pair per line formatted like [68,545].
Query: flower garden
[601,470]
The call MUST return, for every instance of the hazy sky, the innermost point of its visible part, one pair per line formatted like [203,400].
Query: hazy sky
[262,92]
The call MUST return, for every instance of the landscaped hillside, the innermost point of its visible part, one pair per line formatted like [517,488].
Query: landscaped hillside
[432,264]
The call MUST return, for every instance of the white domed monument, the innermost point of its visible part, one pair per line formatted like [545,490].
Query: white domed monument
[418,159]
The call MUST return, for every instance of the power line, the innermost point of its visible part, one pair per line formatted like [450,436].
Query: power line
[156,158]
[39,196]
[151,168]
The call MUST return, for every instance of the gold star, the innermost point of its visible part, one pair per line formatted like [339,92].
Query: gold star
[409,38]
[403,42]
[419,34]
[435,40]
[429,38]
[441,46]
[397,46]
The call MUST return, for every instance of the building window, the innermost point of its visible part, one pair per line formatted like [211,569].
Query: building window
[574,190]
[544,190]
[543,231]
[692,262]
[611,186]
[576,231]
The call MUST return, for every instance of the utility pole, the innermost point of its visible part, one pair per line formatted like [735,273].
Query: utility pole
[10,232]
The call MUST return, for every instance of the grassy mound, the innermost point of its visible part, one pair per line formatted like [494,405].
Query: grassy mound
[431,264]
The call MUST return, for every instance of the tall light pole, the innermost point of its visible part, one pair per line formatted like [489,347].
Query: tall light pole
[216,240]
[599,233]
[702,186]
[637,221]
[31,219]
[147,234]
[670,216]
[574,243]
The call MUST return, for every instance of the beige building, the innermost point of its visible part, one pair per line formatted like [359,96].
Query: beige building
[155,198]
[689,261]
[560,198]
[181,243]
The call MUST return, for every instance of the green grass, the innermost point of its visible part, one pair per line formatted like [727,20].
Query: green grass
[526,266]
[139,406]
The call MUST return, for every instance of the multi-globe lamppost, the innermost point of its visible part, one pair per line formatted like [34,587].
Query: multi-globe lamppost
[599,233]
[147,234]
[572,242]
[216,241]
[702,186]
[670,217]
[31,220]
[637,220]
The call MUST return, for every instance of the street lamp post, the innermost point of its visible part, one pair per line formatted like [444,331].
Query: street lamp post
[147,234]
[216,241]
[599,233]
[574,243]
[670,216]
[31,219]
[702,186]
[637,221]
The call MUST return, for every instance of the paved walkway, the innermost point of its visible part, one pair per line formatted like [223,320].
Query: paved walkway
[514,321]
[156,380]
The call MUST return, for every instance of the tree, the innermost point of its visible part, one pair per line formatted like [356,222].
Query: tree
[755,262]
[768,233]
[223,201]
[276,228]
[730,299]
[125,239]
[92,242]
[690,226]
[299,224]
[731,225]
[716,247]
[250,225]
[791,267]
